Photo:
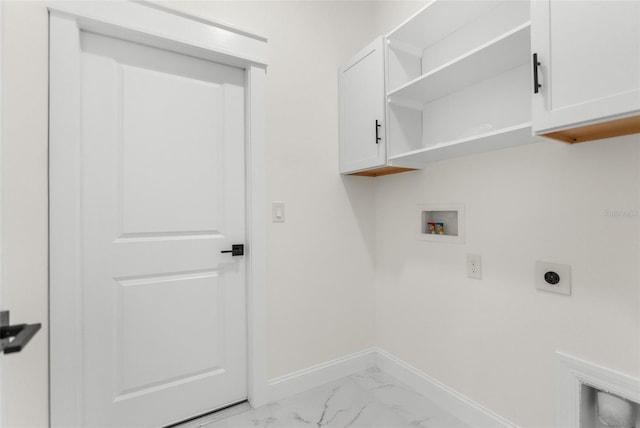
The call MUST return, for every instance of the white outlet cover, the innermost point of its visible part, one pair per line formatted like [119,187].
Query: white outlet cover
[564,271]
[474,260]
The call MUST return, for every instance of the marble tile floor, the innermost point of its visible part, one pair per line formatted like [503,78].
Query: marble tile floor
[369,399]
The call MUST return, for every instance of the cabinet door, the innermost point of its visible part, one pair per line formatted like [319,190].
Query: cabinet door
[589,55]
[362,110]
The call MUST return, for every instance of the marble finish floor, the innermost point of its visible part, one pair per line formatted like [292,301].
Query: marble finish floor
[367,399]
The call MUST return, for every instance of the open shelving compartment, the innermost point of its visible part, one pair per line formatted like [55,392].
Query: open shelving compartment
[460,79]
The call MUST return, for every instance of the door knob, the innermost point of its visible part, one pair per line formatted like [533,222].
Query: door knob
[236,250]
[13,338]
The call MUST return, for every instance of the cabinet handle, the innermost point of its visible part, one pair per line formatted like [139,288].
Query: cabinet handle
[377,128]
[536,64]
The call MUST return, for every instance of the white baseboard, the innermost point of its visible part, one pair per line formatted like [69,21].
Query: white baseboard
[312,377]
[452,401]
[455,403]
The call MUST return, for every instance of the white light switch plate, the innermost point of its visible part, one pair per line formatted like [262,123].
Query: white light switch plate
[563,285]
[277,212]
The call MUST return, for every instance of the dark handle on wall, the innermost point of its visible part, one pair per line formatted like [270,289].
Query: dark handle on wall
[377,128]
[21,333]
[536,64]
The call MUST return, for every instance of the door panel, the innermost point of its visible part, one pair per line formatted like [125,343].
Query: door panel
[362,101]
[589,62]
[144,360]
[593,68]
[164,312]
[183,201]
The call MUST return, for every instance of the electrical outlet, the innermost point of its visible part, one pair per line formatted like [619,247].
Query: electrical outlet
[474,266]
[553,277]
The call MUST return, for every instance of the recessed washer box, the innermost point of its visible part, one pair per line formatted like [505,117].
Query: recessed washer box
[441,222]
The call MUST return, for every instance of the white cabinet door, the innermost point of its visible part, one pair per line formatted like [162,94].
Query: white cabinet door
[589,62]
[362,110]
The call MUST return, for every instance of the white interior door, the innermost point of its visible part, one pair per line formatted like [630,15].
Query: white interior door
[162,177]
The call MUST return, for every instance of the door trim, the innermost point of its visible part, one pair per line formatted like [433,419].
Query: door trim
[2,401]
[162,28]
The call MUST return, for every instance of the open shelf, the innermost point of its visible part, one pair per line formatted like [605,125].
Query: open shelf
[505,52]
[499,139]
[445,30]
[437,20]
[460,74]
[488,115]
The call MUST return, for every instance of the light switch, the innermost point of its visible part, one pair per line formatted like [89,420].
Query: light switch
[277,212]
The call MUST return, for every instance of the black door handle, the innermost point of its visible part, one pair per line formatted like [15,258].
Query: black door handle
[21,334]
[536,83]
[236,250]
[377,129]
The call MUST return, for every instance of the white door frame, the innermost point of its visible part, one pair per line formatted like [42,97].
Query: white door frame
[2,404]
[158,27]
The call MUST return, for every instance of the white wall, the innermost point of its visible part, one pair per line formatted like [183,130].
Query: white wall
[389,14]
[494,339]
[320,261]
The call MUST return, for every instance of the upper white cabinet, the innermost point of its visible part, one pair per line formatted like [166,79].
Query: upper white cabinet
[589,68]
[458,82]
[363,140]
[362,111]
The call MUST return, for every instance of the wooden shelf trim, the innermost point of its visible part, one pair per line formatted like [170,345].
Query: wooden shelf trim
[598,131]
[384,170]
